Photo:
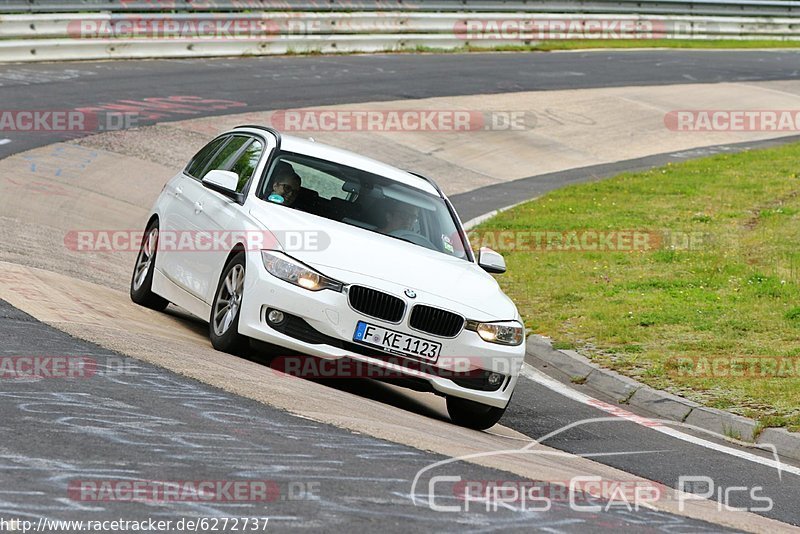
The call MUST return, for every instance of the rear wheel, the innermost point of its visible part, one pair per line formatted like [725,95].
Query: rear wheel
[142,279]
[225,311]
[472,414]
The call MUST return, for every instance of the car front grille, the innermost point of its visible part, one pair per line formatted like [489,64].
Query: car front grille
[376,303]
[436,321]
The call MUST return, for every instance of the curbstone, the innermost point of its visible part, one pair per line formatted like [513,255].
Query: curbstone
[618,386]
[665,404]
[785,442]
[727,424]
[573,366]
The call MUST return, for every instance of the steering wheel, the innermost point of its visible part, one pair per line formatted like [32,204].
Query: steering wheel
[414,237]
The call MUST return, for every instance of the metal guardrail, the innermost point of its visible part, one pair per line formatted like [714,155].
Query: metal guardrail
[643,7]
[97,34]
[286,25]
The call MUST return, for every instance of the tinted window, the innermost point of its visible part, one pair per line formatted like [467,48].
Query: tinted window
[201,159]
[326,185]
[247,163]
[365,200]
[224,159]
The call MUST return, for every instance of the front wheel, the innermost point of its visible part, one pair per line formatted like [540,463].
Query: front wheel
[142,279]
[225,311]
[472,414]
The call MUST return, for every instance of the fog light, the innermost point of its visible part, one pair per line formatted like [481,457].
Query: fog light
[495,379]
[275,317]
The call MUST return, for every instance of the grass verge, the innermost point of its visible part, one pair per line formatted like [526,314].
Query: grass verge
[555,45]
[657,43]
[702,301]
[589,44]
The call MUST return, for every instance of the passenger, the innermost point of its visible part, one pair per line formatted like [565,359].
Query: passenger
[400,217]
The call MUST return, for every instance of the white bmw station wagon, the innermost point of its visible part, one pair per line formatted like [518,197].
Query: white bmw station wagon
[322,252]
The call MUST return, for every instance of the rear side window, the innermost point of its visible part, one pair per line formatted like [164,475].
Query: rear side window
[247,163]
[224,159]
[201,159]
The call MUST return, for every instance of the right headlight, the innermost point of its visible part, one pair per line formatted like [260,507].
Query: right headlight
[502,333]
[289,269]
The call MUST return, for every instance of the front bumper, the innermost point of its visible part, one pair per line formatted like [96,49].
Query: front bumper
[330,323]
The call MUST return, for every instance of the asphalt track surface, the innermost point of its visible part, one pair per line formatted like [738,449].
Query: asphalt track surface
[268,83]
[274,83]
[133,421]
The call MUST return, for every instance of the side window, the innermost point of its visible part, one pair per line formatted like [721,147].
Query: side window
[201,159]
[225,157]
[247,163]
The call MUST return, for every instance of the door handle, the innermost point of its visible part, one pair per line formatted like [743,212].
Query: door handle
[178,192]
[198,207]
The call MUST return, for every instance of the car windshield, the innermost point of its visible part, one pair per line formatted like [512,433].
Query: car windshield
[359,198]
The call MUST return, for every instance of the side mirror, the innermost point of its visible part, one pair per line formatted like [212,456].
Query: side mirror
[225,183]
[491,261]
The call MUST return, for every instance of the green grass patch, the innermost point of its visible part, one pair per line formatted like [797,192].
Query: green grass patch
[720,281]
[589,44]
[583,44]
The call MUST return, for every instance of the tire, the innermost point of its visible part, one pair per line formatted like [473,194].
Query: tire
[142,278]
[223,325]
[472,414]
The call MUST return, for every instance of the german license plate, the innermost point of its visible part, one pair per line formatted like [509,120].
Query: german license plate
[396,342]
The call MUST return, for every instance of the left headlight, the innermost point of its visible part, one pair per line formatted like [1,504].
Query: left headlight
[290,270]
[504,333]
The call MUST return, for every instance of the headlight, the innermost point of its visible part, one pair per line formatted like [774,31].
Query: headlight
[290,270]
[505,333]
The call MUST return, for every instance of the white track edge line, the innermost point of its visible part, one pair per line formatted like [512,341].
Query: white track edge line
[551,383]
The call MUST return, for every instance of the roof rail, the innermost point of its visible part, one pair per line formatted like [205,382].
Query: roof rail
[273,131]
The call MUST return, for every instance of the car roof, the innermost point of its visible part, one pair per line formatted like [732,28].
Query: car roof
[308,147]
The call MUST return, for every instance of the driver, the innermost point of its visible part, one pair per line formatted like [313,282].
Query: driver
[400,216]
[285,184]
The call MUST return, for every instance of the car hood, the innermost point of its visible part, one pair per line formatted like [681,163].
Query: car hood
[354,255]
